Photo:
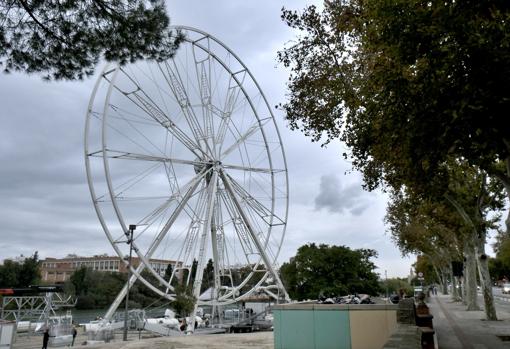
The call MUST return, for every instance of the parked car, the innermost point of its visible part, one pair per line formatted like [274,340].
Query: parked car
[506,288]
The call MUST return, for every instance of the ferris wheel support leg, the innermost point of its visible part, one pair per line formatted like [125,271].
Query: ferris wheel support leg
[253,234]
[197,284]
[215,262]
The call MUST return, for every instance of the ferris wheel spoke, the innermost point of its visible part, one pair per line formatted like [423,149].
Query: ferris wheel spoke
[231,98]
[151,216]
[253,233]
[252,169]
[142,100]
[202,60]
[136,198]
[247,134]
[121,188]
[262,211]
[134,127]
[126,115]
[190,187]
[192,233]
[236,81]
[117,154]
[124,135]
[176,85]
[239,227]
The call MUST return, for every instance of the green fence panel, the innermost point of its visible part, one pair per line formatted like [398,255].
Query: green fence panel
[311,329]
[332,329]
[296,329]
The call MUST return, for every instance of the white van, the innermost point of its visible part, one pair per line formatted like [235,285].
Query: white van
[506,288]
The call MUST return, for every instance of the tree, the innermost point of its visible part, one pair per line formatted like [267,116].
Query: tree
[9,272]
[329,271]
[66,39]
[95,289]
[168,272]
[24,274]
[500,266]
[29,271]
[460,217]
[429,228]
[77,279]
[394,285]
[184,301]
[425,266]
[497,269]
[208,278]
[406,84]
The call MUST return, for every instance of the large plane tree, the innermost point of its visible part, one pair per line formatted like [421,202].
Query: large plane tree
[404,83]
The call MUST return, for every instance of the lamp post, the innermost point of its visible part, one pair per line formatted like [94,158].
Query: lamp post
[129,235]
[386,282]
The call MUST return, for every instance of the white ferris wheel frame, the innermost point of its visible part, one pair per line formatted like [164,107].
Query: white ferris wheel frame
[217,174]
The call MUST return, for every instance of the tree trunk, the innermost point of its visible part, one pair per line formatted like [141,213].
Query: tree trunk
[438,274]
[470,277]
[485,280]
[444,281]
[455,291]
[462,288]
[507,189]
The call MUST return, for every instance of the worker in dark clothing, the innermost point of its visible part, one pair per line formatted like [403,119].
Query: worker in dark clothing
[46,338]
[74,335]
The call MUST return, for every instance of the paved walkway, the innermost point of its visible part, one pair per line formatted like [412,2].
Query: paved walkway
[256,340]
[457,328]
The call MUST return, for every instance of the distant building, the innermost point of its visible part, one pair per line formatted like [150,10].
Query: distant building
[58,270]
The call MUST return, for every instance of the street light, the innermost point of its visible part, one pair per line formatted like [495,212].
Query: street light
[386,282]
[129,235]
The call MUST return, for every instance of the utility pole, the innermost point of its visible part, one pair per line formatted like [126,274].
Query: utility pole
[386,276]
[129,235]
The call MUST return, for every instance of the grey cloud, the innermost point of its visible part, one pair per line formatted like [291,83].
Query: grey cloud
[337,198]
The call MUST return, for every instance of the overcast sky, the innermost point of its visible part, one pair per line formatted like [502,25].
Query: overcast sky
[45,204]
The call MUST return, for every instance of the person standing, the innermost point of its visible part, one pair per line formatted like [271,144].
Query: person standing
[46,338]
[74,335]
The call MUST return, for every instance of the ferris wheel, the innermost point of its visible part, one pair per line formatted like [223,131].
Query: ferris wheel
[187,151]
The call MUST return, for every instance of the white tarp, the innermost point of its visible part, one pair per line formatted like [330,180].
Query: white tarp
[207,295]
[7,331]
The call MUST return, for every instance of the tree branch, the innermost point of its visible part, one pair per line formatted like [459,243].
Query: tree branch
[461,212]
[43,27]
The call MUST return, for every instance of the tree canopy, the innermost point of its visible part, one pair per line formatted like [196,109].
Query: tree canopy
[98,289]
[329,271]
[20,274]
[404,83]
[66,39]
